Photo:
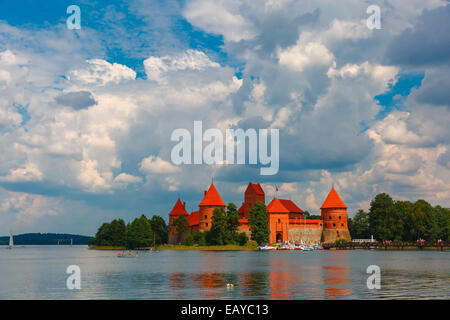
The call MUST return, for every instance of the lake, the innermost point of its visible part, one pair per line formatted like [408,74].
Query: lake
[39,272]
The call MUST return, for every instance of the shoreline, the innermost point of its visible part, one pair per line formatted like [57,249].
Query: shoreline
[179,247]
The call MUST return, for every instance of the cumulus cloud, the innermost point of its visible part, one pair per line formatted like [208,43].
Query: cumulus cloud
[153,164]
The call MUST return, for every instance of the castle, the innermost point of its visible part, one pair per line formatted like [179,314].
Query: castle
[286,220]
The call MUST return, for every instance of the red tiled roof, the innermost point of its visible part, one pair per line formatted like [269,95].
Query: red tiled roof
[193,219]
[333,201]
[241,209]
[275,206]
[178,209]
[291,206]
[256,187]
[283,206]
[212,198]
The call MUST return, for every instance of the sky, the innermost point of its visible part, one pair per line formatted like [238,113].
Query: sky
[86,115]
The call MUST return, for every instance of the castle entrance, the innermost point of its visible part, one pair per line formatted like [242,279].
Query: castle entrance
[279,236]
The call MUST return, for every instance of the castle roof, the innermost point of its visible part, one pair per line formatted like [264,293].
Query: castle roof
[212,198]
[241,209]
[179,209]
[283,206]
[333,201]
[193,219]
[291,206]
[256,187]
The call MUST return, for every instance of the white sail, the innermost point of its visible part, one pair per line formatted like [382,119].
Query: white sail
[11,241]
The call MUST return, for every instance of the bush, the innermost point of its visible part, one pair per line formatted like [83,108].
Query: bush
[241,238]
[189,240]
[251,244]
[340,241]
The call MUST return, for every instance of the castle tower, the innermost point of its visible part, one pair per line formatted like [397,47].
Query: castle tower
[279,213]
[179,209]
[210,201]
[334,216]
[254,193]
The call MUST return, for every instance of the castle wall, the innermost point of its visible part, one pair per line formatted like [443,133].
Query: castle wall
[308,234]
[331,235]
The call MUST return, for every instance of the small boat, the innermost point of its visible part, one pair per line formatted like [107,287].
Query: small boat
[264,247]
[11,242]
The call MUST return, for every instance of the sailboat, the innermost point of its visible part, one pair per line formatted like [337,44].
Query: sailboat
[11,241]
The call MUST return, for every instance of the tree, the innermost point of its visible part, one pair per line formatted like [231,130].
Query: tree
[381,214]
[160,229]
[219,233]
[258,222]
[181,226]
[103,235]
[118,232]
[232,219]
[359,225]
[139,233]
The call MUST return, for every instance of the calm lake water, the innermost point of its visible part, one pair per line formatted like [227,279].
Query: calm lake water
[39,272]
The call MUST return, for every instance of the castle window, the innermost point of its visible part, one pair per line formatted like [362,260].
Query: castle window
[334,224]
[339,217]
[206,217]
[329,217]
[207,224]
[279,221]
[342,224]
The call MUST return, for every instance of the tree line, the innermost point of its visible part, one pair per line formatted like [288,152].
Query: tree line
[389,219]
[141,232]
[224,227]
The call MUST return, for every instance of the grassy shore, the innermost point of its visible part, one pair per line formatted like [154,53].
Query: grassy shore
[182,247]
[207,248]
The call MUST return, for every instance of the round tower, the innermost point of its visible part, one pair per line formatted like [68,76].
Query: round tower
[179,209]
[334,216]
[210,201]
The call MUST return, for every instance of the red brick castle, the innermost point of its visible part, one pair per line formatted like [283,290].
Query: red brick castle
[286,219]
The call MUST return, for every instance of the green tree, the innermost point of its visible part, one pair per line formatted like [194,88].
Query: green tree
[381,214]
[103,235]
[181,226]
[219,233]
[232,219]
[139,233]
[359,225]
[118,232]
[160,229]
[258,222]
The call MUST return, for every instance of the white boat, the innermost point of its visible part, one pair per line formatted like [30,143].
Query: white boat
[11,241]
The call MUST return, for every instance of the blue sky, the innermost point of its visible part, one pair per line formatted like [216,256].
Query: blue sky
[86,115]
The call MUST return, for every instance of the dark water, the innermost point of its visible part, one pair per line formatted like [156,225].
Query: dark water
[39,272]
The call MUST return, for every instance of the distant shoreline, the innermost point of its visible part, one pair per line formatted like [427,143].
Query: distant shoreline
[179,247]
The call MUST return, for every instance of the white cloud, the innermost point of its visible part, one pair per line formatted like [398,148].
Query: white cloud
[156,165]
[306,55]
[219,17]
[101,72]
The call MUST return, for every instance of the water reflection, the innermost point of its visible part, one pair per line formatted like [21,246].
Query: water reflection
[31,273]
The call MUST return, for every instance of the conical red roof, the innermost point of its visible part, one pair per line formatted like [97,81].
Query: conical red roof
[178,209]
[333,201]
[212,198]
